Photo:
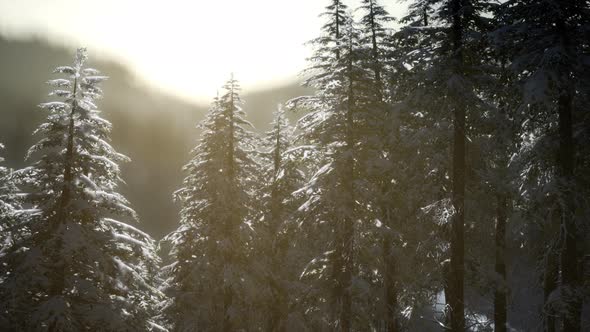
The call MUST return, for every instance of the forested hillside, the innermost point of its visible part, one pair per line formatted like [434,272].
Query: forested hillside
[144,119]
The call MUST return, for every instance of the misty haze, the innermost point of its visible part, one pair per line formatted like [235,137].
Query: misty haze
[317,165]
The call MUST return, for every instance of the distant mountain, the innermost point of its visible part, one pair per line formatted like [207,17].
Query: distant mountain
[156,130]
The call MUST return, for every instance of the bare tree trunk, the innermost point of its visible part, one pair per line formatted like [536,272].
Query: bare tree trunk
[228,292]
[227,302]
[375,50]
[336,279]
[391,305]
[569,255]
[65,196]
[59,268]
[348,229]
[346,313]
[279,311]
[500,301]
[549,285]
[457,239]
[337,261]
[446,274]
[456,304]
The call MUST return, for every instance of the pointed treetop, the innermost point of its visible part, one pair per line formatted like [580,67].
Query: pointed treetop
[81,57]
[373,7]
[337,13]
[232,85]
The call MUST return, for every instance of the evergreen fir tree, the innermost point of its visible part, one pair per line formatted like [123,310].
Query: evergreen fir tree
[492,146]
[7,192]
[546,42]
[336,125]
[448,87]
[374,26]
[280,245]
[210,282]
[73,267]
[413,202]
[9,207]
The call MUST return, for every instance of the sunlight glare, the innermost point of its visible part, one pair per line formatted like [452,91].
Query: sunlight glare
[187,48]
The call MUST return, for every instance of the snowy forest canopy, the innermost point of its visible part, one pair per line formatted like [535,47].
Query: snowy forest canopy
[437,179]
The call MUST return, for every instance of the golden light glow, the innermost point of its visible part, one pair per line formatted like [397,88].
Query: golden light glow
[187,48]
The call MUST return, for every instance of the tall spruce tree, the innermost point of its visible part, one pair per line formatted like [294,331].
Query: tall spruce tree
[421,63]
[416,201]
[546,42]
[73,267]
[9,207]
[385,165]
[493,179]
[374,27]
[333,194]
[210,283]
[450,81]
[6,193]
[279,245]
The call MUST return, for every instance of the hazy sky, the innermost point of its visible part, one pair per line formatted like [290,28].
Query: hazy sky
[185,47]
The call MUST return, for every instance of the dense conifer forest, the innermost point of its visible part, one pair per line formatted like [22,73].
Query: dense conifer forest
[435,178]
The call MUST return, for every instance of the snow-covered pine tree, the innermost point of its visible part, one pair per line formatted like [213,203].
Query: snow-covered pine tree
[413,202]
[9,206]
[73,266]
[374,35]
[6,213]
[384,168]
[209,282]
[493,144]
[6,191]
[335,125]
[337,18]
[546,42]
[447,86]
[280,246]
[420,13]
